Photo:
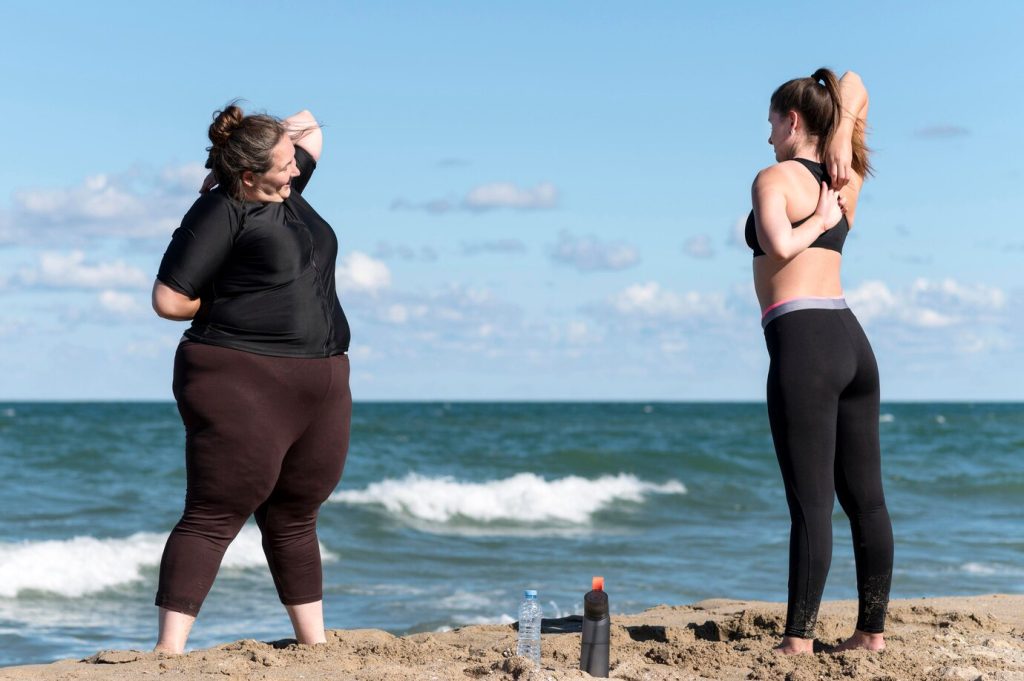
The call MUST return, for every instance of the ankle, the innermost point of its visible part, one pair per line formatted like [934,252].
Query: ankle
[168,649]
[792,645]
[865,636]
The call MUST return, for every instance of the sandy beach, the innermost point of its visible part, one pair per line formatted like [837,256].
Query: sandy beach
[970,638]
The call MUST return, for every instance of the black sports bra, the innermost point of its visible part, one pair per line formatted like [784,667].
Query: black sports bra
[832,239]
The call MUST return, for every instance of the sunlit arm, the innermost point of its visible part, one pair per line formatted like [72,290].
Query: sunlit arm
[306,133]
[853,98]
[172,305]
[777,236]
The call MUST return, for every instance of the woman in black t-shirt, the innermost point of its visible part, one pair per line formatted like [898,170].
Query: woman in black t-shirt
[261,375]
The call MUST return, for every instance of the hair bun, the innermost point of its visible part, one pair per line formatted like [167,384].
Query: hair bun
[224,123]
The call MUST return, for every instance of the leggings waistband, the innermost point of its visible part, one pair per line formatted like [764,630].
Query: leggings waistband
[808,303]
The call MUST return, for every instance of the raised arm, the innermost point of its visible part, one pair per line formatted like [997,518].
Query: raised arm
[306,133]
[839,156]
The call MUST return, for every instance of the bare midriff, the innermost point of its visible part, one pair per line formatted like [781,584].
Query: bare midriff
[813,273]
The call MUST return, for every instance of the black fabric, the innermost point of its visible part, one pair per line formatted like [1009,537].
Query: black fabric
[264,436]
[831,239]
[823,405]
[263,271]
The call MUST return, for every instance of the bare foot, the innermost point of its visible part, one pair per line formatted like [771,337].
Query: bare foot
[791,645]
[861,641]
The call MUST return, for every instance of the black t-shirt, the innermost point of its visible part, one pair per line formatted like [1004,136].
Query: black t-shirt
[263,271]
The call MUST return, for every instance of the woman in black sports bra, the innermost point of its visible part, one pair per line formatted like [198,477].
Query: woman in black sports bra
[823,391]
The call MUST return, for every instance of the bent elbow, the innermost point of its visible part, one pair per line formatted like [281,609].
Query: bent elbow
[165,311]
[777,253]
[169,304]
[158,306]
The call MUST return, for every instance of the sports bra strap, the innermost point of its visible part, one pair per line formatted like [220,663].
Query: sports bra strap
[816,169]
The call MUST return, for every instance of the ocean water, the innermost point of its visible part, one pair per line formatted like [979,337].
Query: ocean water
[447,511]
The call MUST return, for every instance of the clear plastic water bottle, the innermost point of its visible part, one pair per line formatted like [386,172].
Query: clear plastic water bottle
[529,627]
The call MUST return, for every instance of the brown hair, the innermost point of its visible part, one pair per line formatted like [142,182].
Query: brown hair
[241,143]
[817,101]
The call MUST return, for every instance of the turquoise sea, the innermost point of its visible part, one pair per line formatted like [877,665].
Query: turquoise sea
[447,510]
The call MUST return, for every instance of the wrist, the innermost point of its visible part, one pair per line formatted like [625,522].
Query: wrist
[822,223]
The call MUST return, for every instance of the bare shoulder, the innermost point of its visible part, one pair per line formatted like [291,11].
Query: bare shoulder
[780,178]
[772,175]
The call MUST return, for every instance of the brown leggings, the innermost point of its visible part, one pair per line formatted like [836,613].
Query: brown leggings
[265,436]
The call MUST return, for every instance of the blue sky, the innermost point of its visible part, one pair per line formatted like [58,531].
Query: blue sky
[533,200]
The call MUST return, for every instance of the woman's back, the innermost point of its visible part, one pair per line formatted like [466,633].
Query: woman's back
[815,271]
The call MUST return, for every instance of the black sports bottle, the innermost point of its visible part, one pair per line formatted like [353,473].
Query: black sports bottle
[596,631]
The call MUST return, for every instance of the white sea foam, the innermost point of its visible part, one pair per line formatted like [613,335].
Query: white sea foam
[987,570]
[85,565]
[465,600]
[886,418]
[525,498]
[483,619]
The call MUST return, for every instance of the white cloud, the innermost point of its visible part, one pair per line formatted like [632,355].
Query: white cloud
[460,319]
[120,303]
[153,348]
[387,251]
[651,300]
[925,304]
[493,246]
[397,314]
[589,254]
[185,178]
[487,197]
[699,246]
[70,270]
[361,352]
[508,195]
[360,272]
[435,206]
[738,234]
[132,204]
[578,333]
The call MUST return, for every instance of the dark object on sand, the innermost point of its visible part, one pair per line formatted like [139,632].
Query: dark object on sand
[596,631]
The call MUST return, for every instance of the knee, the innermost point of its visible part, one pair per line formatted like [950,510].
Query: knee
[863,507]
[814,512]
[217,518]
[288,523]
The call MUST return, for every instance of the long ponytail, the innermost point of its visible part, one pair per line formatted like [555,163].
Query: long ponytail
[832,118]
[817,101]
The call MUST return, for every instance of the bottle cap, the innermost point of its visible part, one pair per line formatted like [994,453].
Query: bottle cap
[530,593]
[595,602]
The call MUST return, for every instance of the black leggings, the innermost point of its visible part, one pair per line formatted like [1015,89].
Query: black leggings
[265,436]
[823,403]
